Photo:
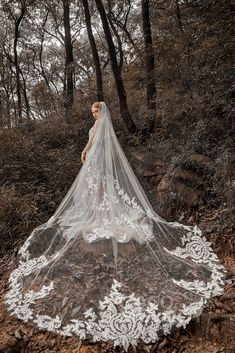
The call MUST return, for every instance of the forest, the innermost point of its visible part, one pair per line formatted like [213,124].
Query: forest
[165,69]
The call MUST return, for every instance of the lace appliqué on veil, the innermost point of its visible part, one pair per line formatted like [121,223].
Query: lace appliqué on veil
[198,249]
[134,217]
[122,318]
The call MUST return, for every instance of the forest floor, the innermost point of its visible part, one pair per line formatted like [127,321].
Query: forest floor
[212,332]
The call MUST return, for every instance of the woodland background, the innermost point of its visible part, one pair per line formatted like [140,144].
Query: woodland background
[165,70]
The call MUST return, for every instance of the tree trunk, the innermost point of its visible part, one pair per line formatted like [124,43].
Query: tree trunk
[69,63]
[150,65]
[121,54]
[99,81]
[116,70]
[178,15]
[16,63]
[24,89]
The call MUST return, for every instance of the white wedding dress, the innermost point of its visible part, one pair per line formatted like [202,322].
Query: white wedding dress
[105,266]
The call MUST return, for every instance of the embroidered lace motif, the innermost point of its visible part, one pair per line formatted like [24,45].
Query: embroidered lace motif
[121,318]
[134,218]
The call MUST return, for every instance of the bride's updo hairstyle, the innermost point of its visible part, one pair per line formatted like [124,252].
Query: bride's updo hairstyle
[96,105]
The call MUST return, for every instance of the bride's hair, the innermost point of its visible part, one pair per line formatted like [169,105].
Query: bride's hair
[96,105]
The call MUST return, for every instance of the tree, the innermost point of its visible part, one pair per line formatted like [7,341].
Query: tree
[69,64]
[116,70]
[150,64]
[17,22]
[99,81]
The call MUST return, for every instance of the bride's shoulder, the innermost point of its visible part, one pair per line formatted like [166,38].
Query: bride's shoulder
[96,123]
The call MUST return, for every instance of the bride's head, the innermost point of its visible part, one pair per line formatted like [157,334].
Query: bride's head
[95,109]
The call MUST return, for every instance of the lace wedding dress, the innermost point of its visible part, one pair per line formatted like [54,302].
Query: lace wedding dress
[105,266]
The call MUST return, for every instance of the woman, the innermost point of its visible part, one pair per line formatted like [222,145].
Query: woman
[105,266]
[92,131]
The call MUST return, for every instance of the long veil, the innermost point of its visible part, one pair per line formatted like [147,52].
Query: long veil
[105,266]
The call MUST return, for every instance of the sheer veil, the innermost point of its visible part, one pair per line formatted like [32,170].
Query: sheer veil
[105,266]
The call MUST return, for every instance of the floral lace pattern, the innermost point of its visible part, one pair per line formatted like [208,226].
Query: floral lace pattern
[198,249]
[135,218]
[195,246]
[126,198]
[19,304]
[122,318]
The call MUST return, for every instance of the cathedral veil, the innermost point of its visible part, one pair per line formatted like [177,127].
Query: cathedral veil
[105,266]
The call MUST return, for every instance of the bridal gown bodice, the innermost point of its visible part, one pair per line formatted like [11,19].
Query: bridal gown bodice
[90,131]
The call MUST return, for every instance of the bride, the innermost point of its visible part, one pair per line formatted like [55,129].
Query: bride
[105,266]
[92,131]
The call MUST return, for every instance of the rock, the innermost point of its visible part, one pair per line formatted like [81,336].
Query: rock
[150,166]
[185,184]
[158,168]
[145,156]
[170,188]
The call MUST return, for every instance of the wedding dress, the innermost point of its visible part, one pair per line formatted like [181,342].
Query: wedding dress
[105,266]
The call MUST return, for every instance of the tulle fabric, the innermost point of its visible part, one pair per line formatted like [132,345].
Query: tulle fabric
[105,266]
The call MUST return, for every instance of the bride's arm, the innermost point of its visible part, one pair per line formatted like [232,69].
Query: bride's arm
[91,138]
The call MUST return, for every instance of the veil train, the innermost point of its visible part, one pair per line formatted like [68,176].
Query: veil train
[105,266]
